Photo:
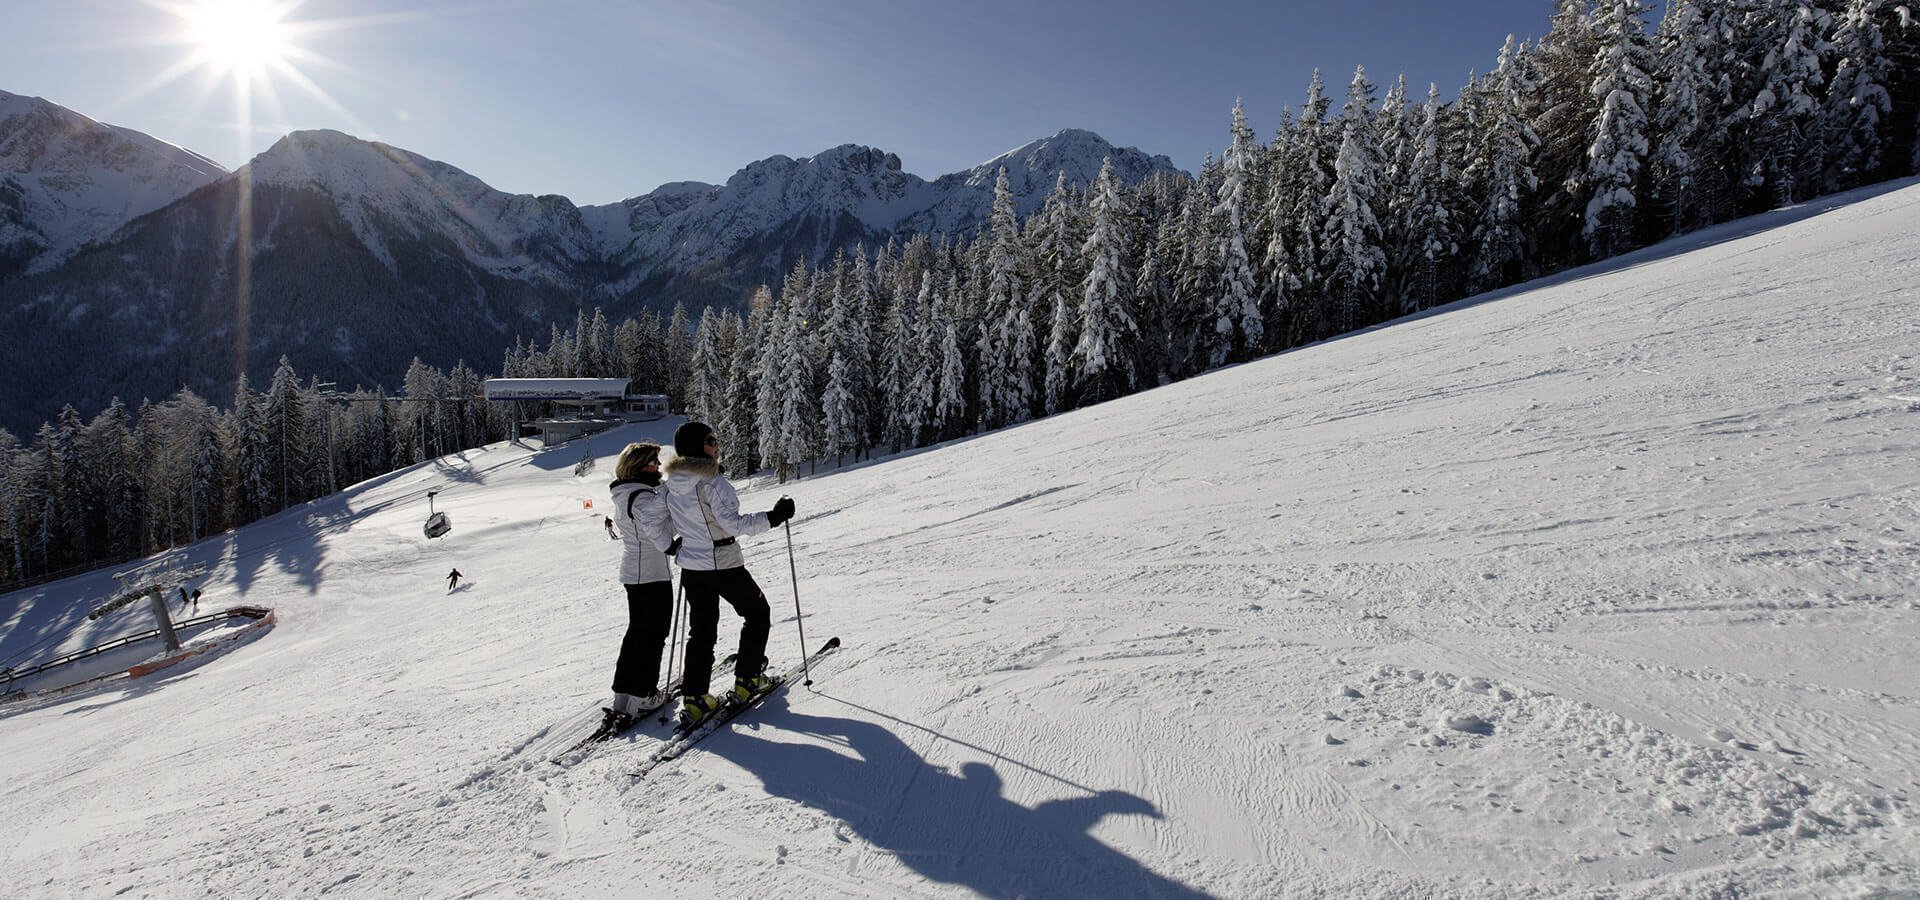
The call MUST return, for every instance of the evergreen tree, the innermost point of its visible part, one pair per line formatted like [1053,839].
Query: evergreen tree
[679,356]
[253,477]
[1857,103]
[949,417]
[1105,353]
[740,417]
[1694,87]
[1618,152]
[1356,261]
[1238,322]
[1426,221]
[900,359]
[1787,148]
[1006,327]
[1502,172]
[1054,251]
[843,405]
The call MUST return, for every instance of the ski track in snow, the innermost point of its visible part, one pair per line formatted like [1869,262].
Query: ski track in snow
[1608,585]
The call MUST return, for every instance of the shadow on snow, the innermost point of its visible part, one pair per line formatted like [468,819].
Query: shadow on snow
[957,829]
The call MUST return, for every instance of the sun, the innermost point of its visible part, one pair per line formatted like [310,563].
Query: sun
[242,37]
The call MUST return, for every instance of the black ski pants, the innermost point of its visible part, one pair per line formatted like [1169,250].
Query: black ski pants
[649,614]
[704,592]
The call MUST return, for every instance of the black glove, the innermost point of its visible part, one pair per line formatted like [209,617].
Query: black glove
[781,512]
[673,548]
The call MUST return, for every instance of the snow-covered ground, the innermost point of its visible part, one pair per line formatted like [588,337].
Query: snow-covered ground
[1607,584]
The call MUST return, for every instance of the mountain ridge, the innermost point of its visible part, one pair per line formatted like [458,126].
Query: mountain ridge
[363,255]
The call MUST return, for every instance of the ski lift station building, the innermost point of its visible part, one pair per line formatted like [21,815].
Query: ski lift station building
[581,405]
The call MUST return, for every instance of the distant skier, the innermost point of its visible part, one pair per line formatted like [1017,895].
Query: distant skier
[453,578]
[196,599]
[183,598]
[700,507]
[648,579]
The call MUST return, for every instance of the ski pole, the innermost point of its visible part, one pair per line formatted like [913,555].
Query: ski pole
[673,632]
[798,621]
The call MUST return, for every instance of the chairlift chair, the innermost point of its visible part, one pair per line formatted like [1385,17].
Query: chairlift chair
[437,522]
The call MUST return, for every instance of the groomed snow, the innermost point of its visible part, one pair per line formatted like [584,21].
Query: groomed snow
[1608,584]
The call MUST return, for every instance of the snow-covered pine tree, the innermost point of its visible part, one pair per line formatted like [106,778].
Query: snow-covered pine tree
[739,416]
[1006,326]
[109,441]
[843,404]
[799,401]
[679,354]
[1105,352]
[1054,251]
[1786,149]
[899,359]
[254,486]
[1617,153]
[1426,222]
[1693,88]
[1857,103]
[1394,125]
[923,383]
[772,386]
[1239,326]
[950,386]
[1315,144]
[1356,259]
[706,383]
[284,419]
[1552,82]
[1502,170]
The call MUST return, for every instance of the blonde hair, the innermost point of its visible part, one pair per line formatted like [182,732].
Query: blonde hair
[635,458]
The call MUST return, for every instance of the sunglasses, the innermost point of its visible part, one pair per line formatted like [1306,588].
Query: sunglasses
[713,441]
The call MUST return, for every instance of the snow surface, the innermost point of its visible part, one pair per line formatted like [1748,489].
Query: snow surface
[1604,584]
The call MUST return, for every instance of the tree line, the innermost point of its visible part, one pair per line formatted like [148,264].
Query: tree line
[1603,136]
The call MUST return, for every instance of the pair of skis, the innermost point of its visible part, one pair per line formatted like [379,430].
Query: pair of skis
[684,740]
[680,740]
[603,733]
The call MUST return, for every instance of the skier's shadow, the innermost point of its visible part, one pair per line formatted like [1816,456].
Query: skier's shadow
[954,828]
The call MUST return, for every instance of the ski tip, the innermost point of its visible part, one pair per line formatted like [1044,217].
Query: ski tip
[830,644]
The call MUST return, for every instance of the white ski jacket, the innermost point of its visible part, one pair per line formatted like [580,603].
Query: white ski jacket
[640,561]
[699,505]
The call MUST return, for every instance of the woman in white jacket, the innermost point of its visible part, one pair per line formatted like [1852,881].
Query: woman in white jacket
[649,583]
[699,509]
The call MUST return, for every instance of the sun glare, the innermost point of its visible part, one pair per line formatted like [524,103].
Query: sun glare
[243,36]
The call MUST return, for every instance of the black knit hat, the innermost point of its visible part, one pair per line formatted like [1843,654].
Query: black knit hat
[690,439]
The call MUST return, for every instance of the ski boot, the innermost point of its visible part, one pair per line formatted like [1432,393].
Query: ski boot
[615,721]
[695,709]
[745,687]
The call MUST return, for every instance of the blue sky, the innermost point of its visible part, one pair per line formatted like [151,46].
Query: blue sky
[605,99]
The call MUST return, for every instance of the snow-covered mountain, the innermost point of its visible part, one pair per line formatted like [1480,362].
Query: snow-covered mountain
[749,230]
[363,255]
[392,198]
[67,180]
[1604,585]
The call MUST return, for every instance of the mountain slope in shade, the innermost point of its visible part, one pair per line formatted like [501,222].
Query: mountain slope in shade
[67,180]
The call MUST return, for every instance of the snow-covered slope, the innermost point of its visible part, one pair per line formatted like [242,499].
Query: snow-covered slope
[1606,585]
[66,180]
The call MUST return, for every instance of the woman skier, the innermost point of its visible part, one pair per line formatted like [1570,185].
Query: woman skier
[701,512]
[649,582]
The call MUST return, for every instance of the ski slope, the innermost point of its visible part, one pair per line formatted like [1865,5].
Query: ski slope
[1607,584]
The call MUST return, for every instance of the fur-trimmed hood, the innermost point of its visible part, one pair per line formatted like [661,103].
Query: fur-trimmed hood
[695,466]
